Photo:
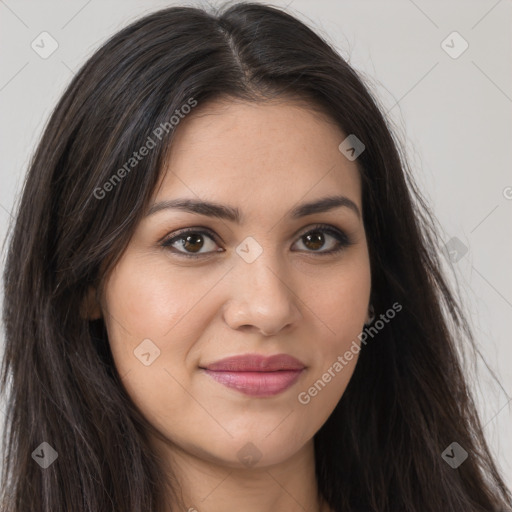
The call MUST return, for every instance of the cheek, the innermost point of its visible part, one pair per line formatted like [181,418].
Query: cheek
[146,300]
[336,352]
[151,334]
[339,304]
[340,300]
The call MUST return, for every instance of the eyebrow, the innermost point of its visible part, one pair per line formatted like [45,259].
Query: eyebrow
[232,214]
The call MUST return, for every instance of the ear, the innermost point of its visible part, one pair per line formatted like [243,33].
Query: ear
[90,308]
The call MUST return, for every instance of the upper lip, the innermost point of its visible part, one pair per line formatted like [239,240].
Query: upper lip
[256,363]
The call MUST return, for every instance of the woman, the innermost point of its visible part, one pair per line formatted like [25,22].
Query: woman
[222,290]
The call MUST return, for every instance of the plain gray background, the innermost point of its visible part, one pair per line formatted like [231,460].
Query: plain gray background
[452,111]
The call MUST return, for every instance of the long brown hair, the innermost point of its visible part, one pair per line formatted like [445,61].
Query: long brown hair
[407,401]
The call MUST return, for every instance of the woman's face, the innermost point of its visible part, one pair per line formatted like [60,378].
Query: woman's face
[253,288]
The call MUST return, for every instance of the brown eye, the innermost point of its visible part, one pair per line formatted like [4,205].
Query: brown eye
[324,237]
[191,243]
[314,241]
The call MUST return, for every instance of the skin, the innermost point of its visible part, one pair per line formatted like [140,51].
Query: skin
[264,159]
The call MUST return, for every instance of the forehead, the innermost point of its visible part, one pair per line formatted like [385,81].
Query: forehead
[256,152]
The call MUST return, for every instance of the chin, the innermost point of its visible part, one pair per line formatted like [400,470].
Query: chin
[250,450]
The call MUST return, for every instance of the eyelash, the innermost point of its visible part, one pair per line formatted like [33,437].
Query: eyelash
[343,240]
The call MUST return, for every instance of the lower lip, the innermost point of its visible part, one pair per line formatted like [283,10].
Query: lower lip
[257,383]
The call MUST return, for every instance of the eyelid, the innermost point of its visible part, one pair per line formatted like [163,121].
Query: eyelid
[344,240]
[185,231]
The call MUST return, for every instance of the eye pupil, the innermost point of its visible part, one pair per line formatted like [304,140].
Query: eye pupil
[317,240]
[191,240]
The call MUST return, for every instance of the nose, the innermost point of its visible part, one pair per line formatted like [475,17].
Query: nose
[261,298]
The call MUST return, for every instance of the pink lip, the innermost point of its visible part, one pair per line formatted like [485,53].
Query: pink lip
[256,375]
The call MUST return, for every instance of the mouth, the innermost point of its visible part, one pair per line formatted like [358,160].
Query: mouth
[256,375]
